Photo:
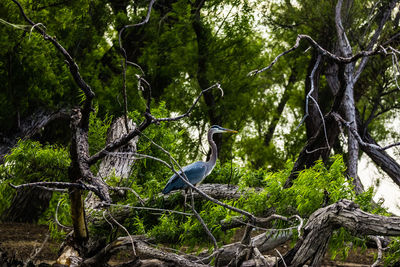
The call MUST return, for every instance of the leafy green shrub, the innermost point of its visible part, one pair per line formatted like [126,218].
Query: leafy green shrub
[168,230]
[29,162]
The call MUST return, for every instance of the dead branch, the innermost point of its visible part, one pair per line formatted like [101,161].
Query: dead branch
[56,218]
[73,67]
[354,131]
[62,185]
[219,191]
[143,251]
[36,251]
[322,52]
[104,204]
[203,224]
[313,244]
[379,246]
[187,113]
[126,231]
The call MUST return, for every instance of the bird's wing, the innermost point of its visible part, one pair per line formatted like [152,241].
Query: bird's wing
[195,172]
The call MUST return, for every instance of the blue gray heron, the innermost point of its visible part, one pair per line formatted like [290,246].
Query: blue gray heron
[197,171]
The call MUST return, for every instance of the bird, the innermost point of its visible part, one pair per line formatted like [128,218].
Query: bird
[197,171]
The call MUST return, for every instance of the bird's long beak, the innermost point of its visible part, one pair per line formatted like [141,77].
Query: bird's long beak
[229,131]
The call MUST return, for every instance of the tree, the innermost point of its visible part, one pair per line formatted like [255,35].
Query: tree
[309,188]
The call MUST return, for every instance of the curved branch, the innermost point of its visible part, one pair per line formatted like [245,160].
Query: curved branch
[187,113]
[124,139]
[73,67]
[322,51]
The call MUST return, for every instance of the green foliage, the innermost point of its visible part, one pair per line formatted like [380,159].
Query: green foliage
[320,186]
[63,215]
[98,131]
[225,173]
[392,254]
[168,230]
[342,242]
[148,174]
[28,162]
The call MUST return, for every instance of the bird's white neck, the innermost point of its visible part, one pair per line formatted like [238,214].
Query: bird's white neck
[214,152]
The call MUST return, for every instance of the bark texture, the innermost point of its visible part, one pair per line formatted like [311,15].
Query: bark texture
[119,165]
[312,246]
[30,127]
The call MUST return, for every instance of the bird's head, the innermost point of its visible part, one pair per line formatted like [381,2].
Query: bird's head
[219,129]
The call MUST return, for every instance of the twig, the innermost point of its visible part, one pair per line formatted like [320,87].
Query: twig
[36,251]
[125,98]
[129,189]
[53,189]
[309,96]
[259,222]
[58,185]
[198,217]
[124,63]
[390,146]
[280,255]
[56,218]
[379,245]
[137,24]
[105,218]
[187,113]
[105,204]
[120,225]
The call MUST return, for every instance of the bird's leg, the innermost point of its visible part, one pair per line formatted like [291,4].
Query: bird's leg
[184,203]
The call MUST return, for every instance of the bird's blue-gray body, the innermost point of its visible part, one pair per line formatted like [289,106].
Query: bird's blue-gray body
[194,172]
[197,171]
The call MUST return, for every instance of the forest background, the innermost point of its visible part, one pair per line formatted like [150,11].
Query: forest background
[304,122]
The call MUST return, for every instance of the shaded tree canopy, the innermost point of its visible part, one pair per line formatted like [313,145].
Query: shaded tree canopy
[102,101]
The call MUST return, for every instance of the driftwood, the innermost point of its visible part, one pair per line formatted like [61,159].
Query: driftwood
[142,251]
[313,244]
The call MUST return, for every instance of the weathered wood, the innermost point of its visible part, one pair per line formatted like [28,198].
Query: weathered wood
[313,244]
[142,251]
[217,191]
[262,242]
[29,127]
[120,164]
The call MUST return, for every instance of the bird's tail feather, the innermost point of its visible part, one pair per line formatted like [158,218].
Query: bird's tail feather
[168,188]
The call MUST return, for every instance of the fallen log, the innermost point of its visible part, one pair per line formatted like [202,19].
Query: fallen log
[311,247]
